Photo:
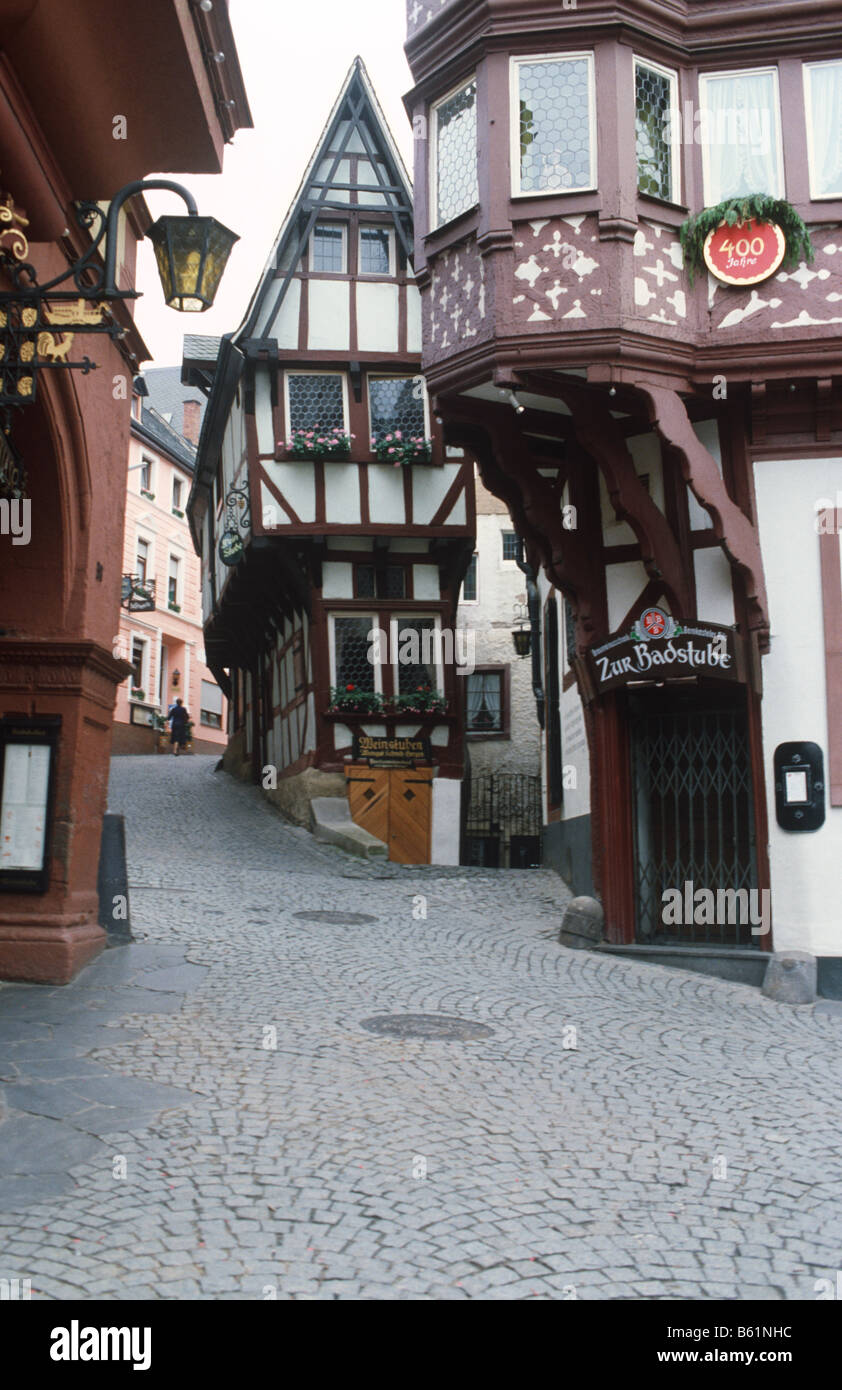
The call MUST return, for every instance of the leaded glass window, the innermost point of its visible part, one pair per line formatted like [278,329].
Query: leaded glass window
[327,249]
[315,401]
[416,654]
[351,648]
[455,136]
[375,246]
[555,139]
[365,581]
[654,100]
[396,403]
[569,632]
[394,582]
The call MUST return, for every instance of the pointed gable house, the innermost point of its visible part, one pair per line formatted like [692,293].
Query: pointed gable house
[326,508]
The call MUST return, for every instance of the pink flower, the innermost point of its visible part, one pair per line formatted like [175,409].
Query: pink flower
[397,434]
[391,451]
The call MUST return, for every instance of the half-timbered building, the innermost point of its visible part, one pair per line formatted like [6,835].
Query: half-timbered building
[669,445]
[326,509]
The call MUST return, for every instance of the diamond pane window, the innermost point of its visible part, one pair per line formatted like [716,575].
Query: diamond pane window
[352,647]
[417,643]
[375,245]
[395,404]
[509,545]
[554,113]
[365,581]
[327,249]
[456,187]
[653,120]
[394,582]
[315,401]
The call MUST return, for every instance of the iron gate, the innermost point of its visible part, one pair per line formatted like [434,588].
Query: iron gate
[503,821]
[693,813]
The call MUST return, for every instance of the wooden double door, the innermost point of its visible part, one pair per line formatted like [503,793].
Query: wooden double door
[394,804]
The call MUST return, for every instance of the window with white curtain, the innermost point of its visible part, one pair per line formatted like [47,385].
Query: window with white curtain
[823,99]
[740,134]
[484,697]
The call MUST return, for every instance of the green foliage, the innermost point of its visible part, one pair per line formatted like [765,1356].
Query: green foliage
[758,207]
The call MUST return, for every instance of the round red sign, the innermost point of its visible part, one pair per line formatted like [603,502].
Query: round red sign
[744,254]
[654,621]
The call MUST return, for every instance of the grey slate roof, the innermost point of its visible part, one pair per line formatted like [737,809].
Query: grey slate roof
[162,411]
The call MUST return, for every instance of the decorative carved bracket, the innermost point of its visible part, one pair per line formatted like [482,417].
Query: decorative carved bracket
[732,528]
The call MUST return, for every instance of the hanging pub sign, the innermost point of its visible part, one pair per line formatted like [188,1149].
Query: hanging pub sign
[27,774]
[237,526]
[746,253]
[657,649]
[390,752]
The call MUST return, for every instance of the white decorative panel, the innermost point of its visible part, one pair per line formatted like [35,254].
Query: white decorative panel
[429,488]
[707,431]
[385,494]
[714,588]
[263,412]
[413,319]
[377,317]
[285,326]
[295,481]
[330,314]
[337,579]
[425,581]
[440,736]
[342,493]
[623,583]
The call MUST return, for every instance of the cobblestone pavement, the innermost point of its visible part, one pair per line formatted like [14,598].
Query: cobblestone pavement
[687,1147]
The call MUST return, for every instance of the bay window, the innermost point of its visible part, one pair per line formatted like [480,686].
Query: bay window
[656,130]
[453,179]
[823,98]
[740,134]
[553,127]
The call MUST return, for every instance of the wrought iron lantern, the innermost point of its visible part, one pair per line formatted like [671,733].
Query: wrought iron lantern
[176,678]
[522,633]
[38,322]
[192,253]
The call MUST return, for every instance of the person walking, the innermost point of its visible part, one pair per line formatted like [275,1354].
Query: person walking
[179,719]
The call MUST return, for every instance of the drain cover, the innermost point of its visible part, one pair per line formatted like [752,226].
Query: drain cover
[439,1027]
[336,919]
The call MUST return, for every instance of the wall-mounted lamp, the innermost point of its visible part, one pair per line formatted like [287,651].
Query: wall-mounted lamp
[522,633]
[510,396]
[176,678]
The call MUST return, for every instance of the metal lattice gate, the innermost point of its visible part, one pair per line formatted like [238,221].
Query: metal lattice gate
[503,821]
[693,812]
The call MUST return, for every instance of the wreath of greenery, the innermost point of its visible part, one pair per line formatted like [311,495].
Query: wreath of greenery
[758,207]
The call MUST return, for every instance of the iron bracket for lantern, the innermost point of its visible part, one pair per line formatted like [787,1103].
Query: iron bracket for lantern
[38,322]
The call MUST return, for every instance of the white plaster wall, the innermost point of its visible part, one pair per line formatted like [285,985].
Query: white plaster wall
[285,325]
[337,579]
[429,488]
[377,317]
[623,584]
[385,494]
[425,581]
[263,412]
[296,482]
[330,314]
[805,868]
[714,586]
[490,619]
[707,431]
[446,820]
[645,450]
[342,493]
[413,319]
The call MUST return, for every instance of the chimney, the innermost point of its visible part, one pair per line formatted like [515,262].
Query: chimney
[192,421]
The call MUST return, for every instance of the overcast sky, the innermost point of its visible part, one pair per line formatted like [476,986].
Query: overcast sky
[294,55]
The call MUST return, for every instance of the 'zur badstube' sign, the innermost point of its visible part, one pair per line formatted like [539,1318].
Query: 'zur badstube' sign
[658,649]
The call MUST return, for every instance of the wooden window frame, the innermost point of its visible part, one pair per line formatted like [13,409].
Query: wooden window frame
[472,601]
[504,670]
[377,666]
[315,372]
[342,226]
[435,222]
[376,274]
[830,559]
[806,70]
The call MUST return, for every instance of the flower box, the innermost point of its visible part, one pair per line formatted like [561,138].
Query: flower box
[349,700]
[318,444]
[397,448]
[137,693]
[145,493]
[174,607]
[176,511]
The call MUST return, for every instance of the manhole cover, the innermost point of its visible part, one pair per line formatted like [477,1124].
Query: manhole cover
[336,919]
[439,1027]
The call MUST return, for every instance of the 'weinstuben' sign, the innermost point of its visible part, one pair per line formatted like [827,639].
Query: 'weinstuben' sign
[658,649]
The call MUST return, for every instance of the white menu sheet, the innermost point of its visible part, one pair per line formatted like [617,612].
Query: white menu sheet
[23,810]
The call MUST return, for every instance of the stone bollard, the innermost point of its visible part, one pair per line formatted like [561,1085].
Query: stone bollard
[582,924]
[791,978]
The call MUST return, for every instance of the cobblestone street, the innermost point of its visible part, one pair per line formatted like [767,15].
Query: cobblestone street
[687,1147]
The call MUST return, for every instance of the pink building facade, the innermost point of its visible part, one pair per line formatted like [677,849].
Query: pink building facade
[161,613]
